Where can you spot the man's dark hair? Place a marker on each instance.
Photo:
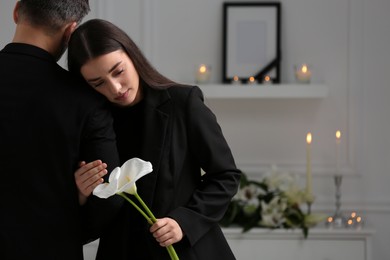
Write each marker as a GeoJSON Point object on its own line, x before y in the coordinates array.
{"type": "Point", "coordinates": [53, 14]}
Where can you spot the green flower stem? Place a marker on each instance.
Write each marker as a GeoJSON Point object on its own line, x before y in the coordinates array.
{"type": "Point", "coordinates": [171, 250]}
{"type": "Point", "coordinates": [136, 206]}
{"type": "Point", "coordinates": [172, 253]}
{"type": "Point", "coordinates": [148, 211]}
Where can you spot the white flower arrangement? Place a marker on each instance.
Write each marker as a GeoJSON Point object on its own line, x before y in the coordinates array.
{"type": "Point", "coordinates": [274, 202]}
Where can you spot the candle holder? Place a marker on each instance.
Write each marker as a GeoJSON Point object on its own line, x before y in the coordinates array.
{"type": "Point", "coordinates": [338, 220]}
{"type": "Point", "coordinates": [267, 80]}
{"type": "Point", "coordinates": [355, 221]}
{"type": "Point", "coordinates": [236, 80]}
{"type": "Point", "coordinates": [252, 81]}
{"type": "Point", "coordinates": [309, 198]}
{"type": "Point", "coordinates": [302, 73]}
{"type": "Point", "coordinates": [203, 74]}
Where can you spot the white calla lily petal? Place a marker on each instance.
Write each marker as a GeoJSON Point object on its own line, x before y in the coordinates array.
{"type": "Point", "coordinates": [131, 171]}
{"type": "Point", "coordinates": [106, 190]}
{"type": "Point", "coordinates": [114, 176]}
{"type": "Point", "coordinates": [123, 179]}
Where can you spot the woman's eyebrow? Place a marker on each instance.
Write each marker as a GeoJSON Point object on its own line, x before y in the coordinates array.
{"type": "Point", "coordinates": [111, 70]}
{"type": "Point", "coordinates": [115, 66]}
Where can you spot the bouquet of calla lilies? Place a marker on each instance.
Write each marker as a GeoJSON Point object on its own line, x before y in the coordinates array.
{"type": "Point", "coordinates": [122, 182]}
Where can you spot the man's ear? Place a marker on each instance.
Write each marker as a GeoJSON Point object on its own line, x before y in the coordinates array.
{"type": "Point", "coordinates": [16, 12]}
{"type": "Point", "coordinates": [69, 30]}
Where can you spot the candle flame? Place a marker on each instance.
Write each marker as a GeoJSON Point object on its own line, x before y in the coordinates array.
{"type": "Point", "coordinates": [202, 69]}
{"type": "Point", "coordinates": [304, 68]}
{"type": "Point", "coordinates": [267, 78]}
{"type": "Point", "coordinates": [338, 134]}
{"type": "Point", "coordinates": [308, 138]}
{"type": "Point", "coordinates": [353, 214]}
{"type": "Point", "coordinates": [358, 219]}
{"type": "Point", "coordinates": [252, 79]}
{"type": "Point", "coordinates": [235, 78]}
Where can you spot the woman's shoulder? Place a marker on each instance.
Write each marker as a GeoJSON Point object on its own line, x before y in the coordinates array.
{"type": "Point", "coordinates": [179, 95]}
{"type": "Point", "coordinates": [184, 91]}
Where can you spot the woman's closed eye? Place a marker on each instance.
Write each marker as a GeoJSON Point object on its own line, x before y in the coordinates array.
{"type": "Point", "coordinates": [97, 84]}
{"type": "Point", "coordinates": [118, 72]}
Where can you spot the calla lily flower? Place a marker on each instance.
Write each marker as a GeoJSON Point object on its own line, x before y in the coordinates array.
{"type": "Point", "coordinates": [122, 179]}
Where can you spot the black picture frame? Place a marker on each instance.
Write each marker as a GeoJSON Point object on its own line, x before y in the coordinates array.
{"type": "Point", "coordinates": [251, 41]}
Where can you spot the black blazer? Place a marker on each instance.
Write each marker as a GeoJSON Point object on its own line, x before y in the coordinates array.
{"type": "Point", "coordinates": [48, 122]}
{"type": "Point", "coordinates": [181, 136]}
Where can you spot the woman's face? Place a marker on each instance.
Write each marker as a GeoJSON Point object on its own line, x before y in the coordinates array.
{"type": "Point", "coordinates": [114, 76]}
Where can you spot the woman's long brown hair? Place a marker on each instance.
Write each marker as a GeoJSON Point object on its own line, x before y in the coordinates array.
{"type": "Point", "coordinates": [97, 37]}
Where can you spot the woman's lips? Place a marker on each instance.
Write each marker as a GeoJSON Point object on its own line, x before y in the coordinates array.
{"type": "Point", "coordinates": [123, 96]}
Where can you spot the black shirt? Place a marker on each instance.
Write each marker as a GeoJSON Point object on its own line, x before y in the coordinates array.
{"type": "Point", "coordinates": [128, 122]}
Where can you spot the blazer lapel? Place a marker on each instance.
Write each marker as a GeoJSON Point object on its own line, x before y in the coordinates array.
{"type": "Point", "coordinates": [156, 118]}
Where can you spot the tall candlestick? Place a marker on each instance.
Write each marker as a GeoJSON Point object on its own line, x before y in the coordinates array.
{"type": "Point", "coordinates": [308, 165]}
{"type": "Point", "coordinates": [338, 136]}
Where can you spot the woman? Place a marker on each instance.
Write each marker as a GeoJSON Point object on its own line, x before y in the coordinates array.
{"type": "Point", "coordinates": [167, 124]}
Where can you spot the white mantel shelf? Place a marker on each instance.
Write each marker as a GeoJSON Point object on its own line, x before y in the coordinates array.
{"type": "Point", "coordinates": [314, 233]}
{"type": "Point", "coordinates": [321, 244]}
{"type": "Point", "coordinates": [262, 243]}
{"type": "Point", "coordinates": [257, 91]}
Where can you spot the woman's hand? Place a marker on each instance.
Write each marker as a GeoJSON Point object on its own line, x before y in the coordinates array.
{"type": "Point", "coordinates": [87, 177]}
{"type": "Point", "coordinates": [166, 231]}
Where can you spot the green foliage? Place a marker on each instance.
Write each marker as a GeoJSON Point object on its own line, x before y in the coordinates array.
{"type": "Point", "coordinates": [271, 203]}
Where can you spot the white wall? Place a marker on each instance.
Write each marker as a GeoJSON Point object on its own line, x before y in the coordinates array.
{"type": "Point", "coordinates": [346, 42]}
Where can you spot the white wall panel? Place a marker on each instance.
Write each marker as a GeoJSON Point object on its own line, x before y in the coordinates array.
{"type": "Point", "coordinates": [346, 41]}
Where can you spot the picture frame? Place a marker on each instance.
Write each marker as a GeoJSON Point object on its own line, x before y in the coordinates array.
{"type": "Point", "coordinates": [251, 41]}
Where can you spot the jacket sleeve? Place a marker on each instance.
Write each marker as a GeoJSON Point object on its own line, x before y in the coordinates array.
{"type": "Point", "coordinates": [220, 181]}
{"type": "Point", "coordinates": [99, 142]}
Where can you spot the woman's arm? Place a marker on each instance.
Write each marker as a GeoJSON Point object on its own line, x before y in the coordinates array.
{"type": "Point", "coordinates": [87, 177]}
{"type": "Point", "coordinates": [210, 150]}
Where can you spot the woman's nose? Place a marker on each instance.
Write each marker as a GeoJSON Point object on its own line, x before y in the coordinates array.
{"type": "Point", "coordinates": [114, 87]}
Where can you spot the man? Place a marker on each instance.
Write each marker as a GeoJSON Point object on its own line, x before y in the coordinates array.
{"type": "Point", "coordinates": [48, 123]}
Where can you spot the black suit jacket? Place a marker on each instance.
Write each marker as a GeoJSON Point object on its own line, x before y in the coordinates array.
{"type": "Point", "coordinates": [181, 136]}
{"type": "Point", "coordinates": [48, 122]}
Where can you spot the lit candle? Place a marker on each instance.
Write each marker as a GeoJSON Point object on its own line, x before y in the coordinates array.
{"type": "Point", "coordinates": [303, 73]}
{"type": "Point", "coordinates": [350, 223]}
{"type": "Point", "coordinates": [236, 80]}
{"type": "Point", "coordinates": [359, 222]}
{"type": "Point", "coordinates": [203, 74]}
{"type": "Point", "coordinates": [355, 221]}
{"type": "Point", "coordinates": [338, 136]}
{"type": "Point", "coordinates": [267, 80]}
{"type": "Point", "coordinates": [308, 164]}
{"type": "Point", "coordinates": [252, 80]}
{"type": "Point", "coordinates": [329, 222]}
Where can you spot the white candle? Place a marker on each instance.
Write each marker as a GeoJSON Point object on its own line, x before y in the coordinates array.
{"type": "Point", "coordinates": [308, 164]}
{"type": "Point", "coordinates": [359, 222]}
{"type": "Point", "coordinates": [203, 74]}
{"type": "Point", "coordinates": [303, 73]}
{"type": "Point", "coordinates": [338, 136]}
